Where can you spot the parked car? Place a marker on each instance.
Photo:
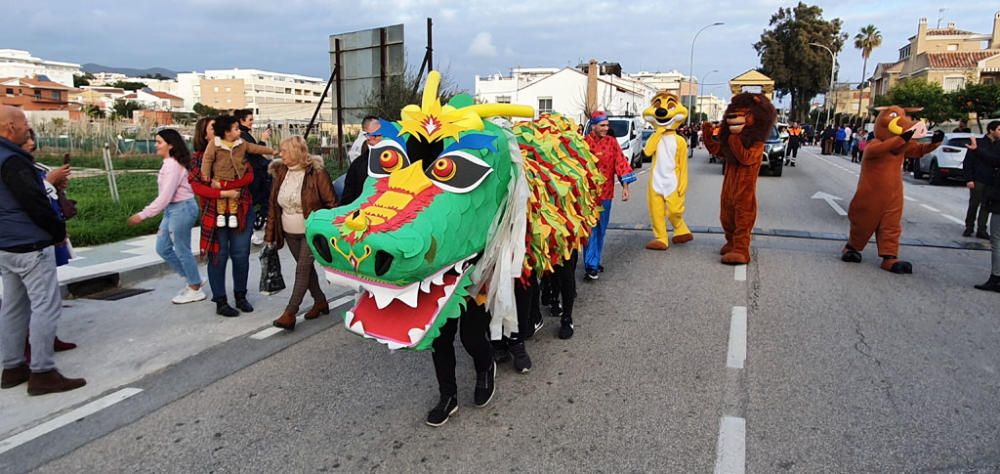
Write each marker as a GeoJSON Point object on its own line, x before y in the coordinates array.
{"type": "Point", "coordinates": [945, 162]}
{"type": "Point", "coordinates": [627, 131]}
{"type": "Point", "coordinates": [774, 154]}
{"type": "Point", "coordinates": [646, 133]}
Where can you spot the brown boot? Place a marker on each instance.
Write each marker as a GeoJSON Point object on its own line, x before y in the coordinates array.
{"type": "Point", "coordinates": [61, 345]}
{"type": "Point", "coordinates": [285, 321]}
{"type": "Point", "coordinates": [14, 377]}
{"type": "Point", "coordinates": [321, 307]}
{"type": "Point", "coordinates": [42, 383]}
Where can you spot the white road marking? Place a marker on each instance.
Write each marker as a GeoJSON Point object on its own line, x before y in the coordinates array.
{"type": "Point", "coordinates": [67, 418]}
{"type": "Point", "coordinates": [908, 198]}
{"type": "Point", "coordinates": [731, 450]}
{"type": "Point", "coordinates": [831, 200]}
{"type": "Point", "coordinates": [953, 219]}
{"type": "Point", "coordinates": [740, 272]}
{"type": "Point", "coordinates": [737, 354]}
{"type": "Point", "coordinates": [266, 333]}
{"type": "Point", "coordinates": [929, 208]}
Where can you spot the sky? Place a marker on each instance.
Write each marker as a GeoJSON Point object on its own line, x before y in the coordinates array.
{"type": "Point", "coordinates": [470, 37]}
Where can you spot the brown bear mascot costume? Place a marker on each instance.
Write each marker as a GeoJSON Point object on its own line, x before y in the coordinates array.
{"type": "Point", "coordinates": [748, 121]}
{"type": "Point", "coordinates": [877, 207]}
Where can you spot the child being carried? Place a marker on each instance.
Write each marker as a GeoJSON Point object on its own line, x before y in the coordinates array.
{"type": "Point", "coordinates": [225, 160]}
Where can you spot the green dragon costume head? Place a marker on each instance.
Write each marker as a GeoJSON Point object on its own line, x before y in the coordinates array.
{"type": "Point", "coordinates": [447, 193]}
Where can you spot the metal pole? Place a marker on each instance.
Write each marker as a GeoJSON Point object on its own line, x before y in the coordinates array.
{"type": "Point", "coordinates": [691, 64]}
{"type": "Point", "coordinates": [322, 98]}
{"type": "Point", "coordinates": [833, 68]}
{"type": "Point", "coordinates": [699, 90]}
{"type": "Point", "coordinates": [110, 169]}
{"type": "Point", "coordinates": [383, 61]}
{"type": "Point", "coordinates": [430, 46]}
{"type": "Point", "coordinates": [340, 102]}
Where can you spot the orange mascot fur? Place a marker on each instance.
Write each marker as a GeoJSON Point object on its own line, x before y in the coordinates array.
{"type": "Point", "coordinates": [877, 207]}
{"type": "Point", "coordinates": [748, 122]}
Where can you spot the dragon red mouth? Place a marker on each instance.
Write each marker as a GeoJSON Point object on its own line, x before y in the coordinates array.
{"type": "Point", "coordinates": [399, 317]}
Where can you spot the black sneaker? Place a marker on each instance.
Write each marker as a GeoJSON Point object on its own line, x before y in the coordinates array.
{"type": "Point", "coordinates": [522, 363]}
{"type": "Point", "coordinates": [501, 354]}
{"type": "Point", "coordinates": [566, 330]}
{"type": "Point", "coordinates": [600, 269]}
{"type": "Point", "coordinates": [590, 274]}
{"type": "Point", "coordinates": [446, 407]}
{"type": "Point", "coordinates": [485, 386]}
{"type": "Point", "coordinates": [982, 235]}
{"type": "Point", "coordinates": [967, 233]}
{"type": "Point", "coordinates": [223, 309]}
{"type": "Point", "coordinates": [244, 305]}
{"type": "Point", "coordinates": [555, 310]}
{"type": "Point", "coordinates": [539, 324]}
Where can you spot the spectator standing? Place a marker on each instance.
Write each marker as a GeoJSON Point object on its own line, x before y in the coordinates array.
{"type": "Point", "coordinates": [301, 186]}
{"type": "Point", "coordinates": [963, 127]}
{"type": "Point", "coordinates": [989, 154]}
{"type": "Point", "coordinates": [978, 173]}
{"type": "Point", "coordinates": [220, 245]}
{"type": "Point", "coordinates": [357, 173]}
{"type": "Point", "coordinates": [260, 190]}
{"type": "Point", "coordinates": [32, 298]}
{"type": "Point", "coordinates": [176, 200]}
{"type": "Point", "coordinates": [841, 140]}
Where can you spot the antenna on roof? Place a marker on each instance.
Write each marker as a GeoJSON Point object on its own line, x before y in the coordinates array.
{"type": "Point", "coordinates": [940, 15]}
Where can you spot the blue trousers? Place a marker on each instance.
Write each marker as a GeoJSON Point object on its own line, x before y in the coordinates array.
{"type": "Point", "coordinates": [173, 241]}
{"type": "Point", "coordinates": [595, 245]}
{"type": "Point", "coordinates": [233, 245]}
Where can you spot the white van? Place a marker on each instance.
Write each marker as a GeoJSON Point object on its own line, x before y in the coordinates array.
{"type": "Point", "coordinates": [628, 131]}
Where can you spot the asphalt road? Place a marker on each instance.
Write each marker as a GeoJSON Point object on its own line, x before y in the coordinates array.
{"type": "Point", "coordinates": [847, 368]}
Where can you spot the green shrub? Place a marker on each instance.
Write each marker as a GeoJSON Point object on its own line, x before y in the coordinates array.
{"type": "Point", "coordinates": [99, 219]}
{"type": "Point", "coordinates": [139, 162]}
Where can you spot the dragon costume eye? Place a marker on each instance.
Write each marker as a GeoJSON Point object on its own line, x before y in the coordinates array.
{"type": "Point", "coordinates": [458, 172]}
{"type": "Point", "coordinates": [386, 158]}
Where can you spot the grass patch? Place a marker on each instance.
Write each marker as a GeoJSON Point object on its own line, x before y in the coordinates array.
{"type": "Point", "coordinates": [137, 162]}
{"type": "Point", "coordinates": [99, 219]}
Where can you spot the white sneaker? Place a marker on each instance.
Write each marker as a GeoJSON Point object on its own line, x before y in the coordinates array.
{"type": "Point", "coordinates": [189, 296]}
{"type": "Point", "coordinates": [257, 238]}
{"type": "Point", "coordinates": [233, 222]}
{"type": "Point", "coordinates": [220, 221]}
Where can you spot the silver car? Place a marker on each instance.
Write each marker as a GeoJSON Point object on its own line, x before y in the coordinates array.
{"type": "Point", "coordinates": [945, 162]}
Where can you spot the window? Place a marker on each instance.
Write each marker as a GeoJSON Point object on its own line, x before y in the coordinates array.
{"type": "Point", "coordinates": [56, 95]}
{"type": "Point", "coordinates": [38, 94]}
{"type": "Point", "coordinates": [503, 99]}
{"type": "Point", "coordinates": [953, 47]}
{"type": "Point", "coordinates": [953, 83]}
{"type": "Point", "coordinates": [229, 89]}
{"type": "Point", "coordinates": [545, 105]}
{"type": "Point", "coordinates": [215, 89]}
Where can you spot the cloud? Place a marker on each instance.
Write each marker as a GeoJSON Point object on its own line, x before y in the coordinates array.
{"type": "Point", "coordinates": [482, 46]}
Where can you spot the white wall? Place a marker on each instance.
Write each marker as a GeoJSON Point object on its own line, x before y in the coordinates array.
{"type": "Point", "coordinates": [17, 63]}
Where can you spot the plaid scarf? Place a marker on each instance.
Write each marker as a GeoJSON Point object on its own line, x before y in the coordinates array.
{"type": "Point", "coordinates": [209, 244]}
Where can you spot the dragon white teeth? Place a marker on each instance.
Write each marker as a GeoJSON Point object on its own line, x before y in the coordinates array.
{"type": "Point", "coordinates": [348, 317]}
{"type": "Point", "coordinates": [425, 286]}
{"type": "Point", "coordinates": [383, 297]}
{"type": "Point", "coordinates": [410, 295]}
{"type": "Point", "coordinates": [394, 345]}
{"type": "Point", "coordinates": [416, 334]}
{"type": "Point", "coordinates": [357, 328]}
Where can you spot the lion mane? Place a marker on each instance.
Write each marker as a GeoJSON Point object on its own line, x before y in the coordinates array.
{"type": "Point", "coordinates": [763, 114]}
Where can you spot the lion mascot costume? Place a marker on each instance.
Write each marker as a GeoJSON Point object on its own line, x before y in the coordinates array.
{"type": "Point", "coordinates": [877, 207]}
{"type": "Point", "coordinates": [748, 121]}
{"type": "Point", "coordinates": [668, 184]}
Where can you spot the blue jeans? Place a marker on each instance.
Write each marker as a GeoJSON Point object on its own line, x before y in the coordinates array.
{"type": "Point", "coordinates": [233, 244]}
{"type": "Point", "coordinates": [173, 241]}
{"type": "Point", "coordinates": [595, 245]}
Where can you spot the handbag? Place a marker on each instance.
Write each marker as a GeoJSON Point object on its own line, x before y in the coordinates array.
{"type": "Point", "coordinates": [271, 280]}
{"type": "Point", "coordinates": [66, 205]}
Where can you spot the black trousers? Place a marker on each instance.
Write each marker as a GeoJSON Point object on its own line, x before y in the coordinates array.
{"type": "Point", "coordinates": [474, 327]}
{"type": "Point", "coordinates": [793, 151]}
{"type": "Point", "coordinates": [978, 213]}
{"type": "Point", "coordinates": [529, 312]}
{"type": "Point", "coordinates": [260, 188]}
{"type": "Point", "coordinates": [562, 284]}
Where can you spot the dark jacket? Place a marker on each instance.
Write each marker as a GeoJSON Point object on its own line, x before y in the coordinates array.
{"type": "Point", "coordinates": [976, 166]}
{"type": "Point", "coordinates": [317, 193]}
{"type": "Point", "coordinates": [357, 173]}
{"type": "Point", "coordinates": [255, 160]}
{"type": "Point", "coordinates": [988, 158]}
{"type": "Point", "coordinates": [27, 218]}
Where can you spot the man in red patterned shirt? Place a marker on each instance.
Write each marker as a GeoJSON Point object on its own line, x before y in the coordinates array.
{"type": "Point", "coordinates": [611, 162]}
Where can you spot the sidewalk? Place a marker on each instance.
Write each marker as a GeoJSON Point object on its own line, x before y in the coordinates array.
{"type": "Point", "coordinates": [122, 341]}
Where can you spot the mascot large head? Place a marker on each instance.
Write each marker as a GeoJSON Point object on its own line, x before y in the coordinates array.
{"type": "Point", "coordinates": [665, 112]}
{"type": "Point", "coordinates": [750, 116]}
{"type": "Point", "coordinates": [893, 121]}
{"type": "Point", "coordinates": [412, 239]}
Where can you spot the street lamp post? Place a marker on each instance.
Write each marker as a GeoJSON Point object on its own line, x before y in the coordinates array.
{"type": "Point", "coordinates": [691, 64]}
{"type": "Point", "coordinates": [704, 79]}
{"type": "Point", "coordinates": [833, 67]}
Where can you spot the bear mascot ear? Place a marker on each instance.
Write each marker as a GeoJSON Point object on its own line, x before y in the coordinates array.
{"type": "Point", "coordinates": [913, 109]}
{"type": "Point", "coordinates": [756, 99]}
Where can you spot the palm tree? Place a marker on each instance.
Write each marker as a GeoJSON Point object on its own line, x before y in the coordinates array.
{"type": "Point", "coordinates": [867, 40]}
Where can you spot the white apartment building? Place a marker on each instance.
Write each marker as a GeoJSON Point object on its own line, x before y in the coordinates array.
{"type": "Point", "coordinates": [712, 106]}
{"type": "Point", "coordinates": [563, 90]}
{"type": "Point", "coordinates": [107, 78]}
{"type": "Point", "coordinates": [272, 95]}
{"type": "Point", "coordinates": [18, 63]}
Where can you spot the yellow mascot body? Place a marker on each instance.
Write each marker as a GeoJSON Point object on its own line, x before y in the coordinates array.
{"type": "Point", "coordinates": [669, 178]}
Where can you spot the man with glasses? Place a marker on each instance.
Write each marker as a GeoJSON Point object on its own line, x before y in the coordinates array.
{"type": "Point", "coordinates": [354, 182]}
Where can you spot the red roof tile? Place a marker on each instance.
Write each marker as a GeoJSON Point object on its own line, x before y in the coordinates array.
{"type": "Point", "coordinates": [164, 95]}
{"type": "Point", "coordinates": [947, 32]}
{"type": "Point", "coordinates": [959, 59]}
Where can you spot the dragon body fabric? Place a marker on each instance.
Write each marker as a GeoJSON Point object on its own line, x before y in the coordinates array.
{"type": "Point", "coordinates": [456, 207]}
{"type": "Point", "coordinates": [669, 179]}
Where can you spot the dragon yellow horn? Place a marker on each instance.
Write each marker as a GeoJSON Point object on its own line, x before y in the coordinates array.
{"type": "Point", "coordinates": [431, 90]}
{"type": "Point", "coordinates": [503, 110]}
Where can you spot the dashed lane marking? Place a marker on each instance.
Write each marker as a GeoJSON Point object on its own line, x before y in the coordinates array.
{"type": "Point", "coordinates": [67, 418]}
{"type": "Point", "coordinates": [737, 354]}
{"type": "Point", "coordinates": [953, 219]}
{"type": "Point", "coordinates": [731, 450]}
{"type": "Point", "coordinates": [908, 198]}
{"type": "Point", "coordinates": [740, 272]}
{"type": "Point", "coordinates": [929, 208]}
{"type": "Point", "coordinates": [266, 333]}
